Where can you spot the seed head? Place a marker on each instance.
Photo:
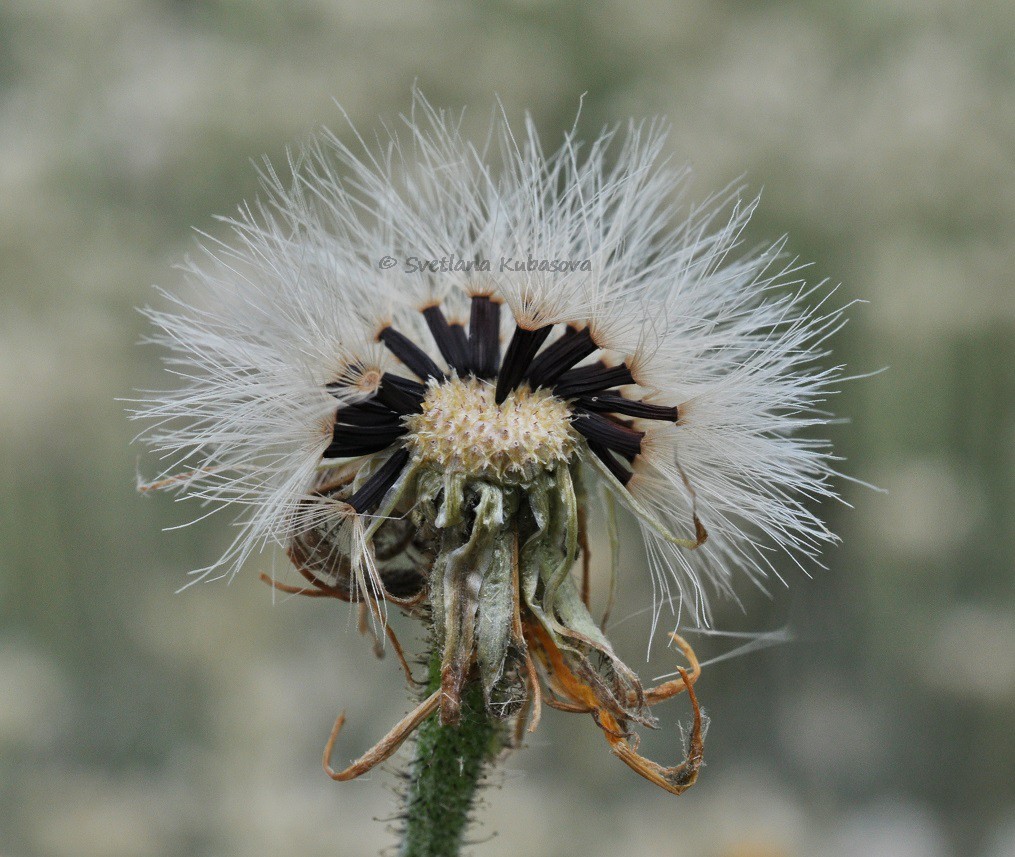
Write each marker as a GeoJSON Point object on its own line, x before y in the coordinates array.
{"type": "Point", "coordinates": [442, 432]}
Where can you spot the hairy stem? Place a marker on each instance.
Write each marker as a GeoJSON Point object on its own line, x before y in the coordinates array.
{"type": "Point", "coordinates": [445, 772]}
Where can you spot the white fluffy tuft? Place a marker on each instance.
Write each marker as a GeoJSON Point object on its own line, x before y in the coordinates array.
{"type": "Point", "coordinates": [295, 297]}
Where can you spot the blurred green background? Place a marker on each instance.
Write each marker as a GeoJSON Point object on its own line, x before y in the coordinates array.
{"type": "Point", "coordinates": [135, 721]}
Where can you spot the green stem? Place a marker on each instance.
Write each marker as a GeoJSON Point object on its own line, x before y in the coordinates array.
{"type": "Point", "coordinates": [445, 772]}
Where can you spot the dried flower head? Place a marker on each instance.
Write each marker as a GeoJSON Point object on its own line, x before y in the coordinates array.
{"type": "Point", "coordinates": [421, 374]}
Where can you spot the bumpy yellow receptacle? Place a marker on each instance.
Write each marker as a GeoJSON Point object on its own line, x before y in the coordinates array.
{"type": "Point", "coordinates": [462, 428]}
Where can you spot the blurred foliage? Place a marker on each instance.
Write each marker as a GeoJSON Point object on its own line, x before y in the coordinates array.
{"type": "Point", "coordinates": [134, 721]}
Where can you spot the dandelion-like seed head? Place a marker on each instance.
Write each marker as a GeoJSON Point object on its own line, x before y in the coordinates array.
{"type": "Point", "coordinates": [556, 340]}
